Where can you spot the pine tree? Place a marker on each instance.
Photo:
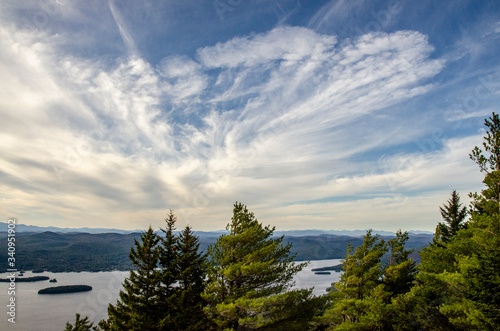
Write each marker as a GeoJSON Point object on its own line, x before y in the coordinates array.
{"type": "Point", "coordinates": [460, 280]}
{"type": "Point", "coordinates": [137, 308]}
{"type": "Point", "coordinates": [81, 325]}
{"type": "Point", "coordinates": [250, 273]}
{"type": "Point", "coordinates": [454, 216]}
{"type": "Point", "coordinates": [369, 295]}
{"type": "Point", "coordinates": [400, 272]}
{"type": "Point", "coordinates": [169, 274]}
{"type": "Point", "coordinates": [361, 278]}
{"type": "Point", "coordinates": [164, 292]}
{"type": "Point", "coordinates": [422, 307]}
{"type": "Point", "coordinates": [192, 267]}
{"type": "Point", "coordinates": [437, 257]}
{"type": "Point", "coordinates": [478, 247]}
{"type": "Point", "coordinates": [489, 163]}
{"type": "Point", "coordinates": [362, 269]}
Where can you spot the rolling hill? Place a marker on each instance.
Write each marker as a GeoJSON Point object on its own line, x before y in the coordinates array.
{"type": "Point", "coordinates": [66, 252]}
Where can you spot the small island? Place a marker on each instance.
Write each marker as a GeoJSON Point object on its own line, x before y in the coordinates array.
{"type": "Point", "coordinates": [322, 273]}
{"type": "Point", "coordinates": [65, 289]}
{"type": "Point", "coordinates": [336, 268]}
{"type": "Point", "coordinates": [27, 279]}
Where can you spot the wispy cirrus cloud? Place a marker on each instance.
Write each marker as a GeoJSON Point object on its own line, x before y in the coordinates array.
{"type": "Point", "coordinates": [334, 10]}
{"type": "Point", "coordinates": [281, 43]}
{"type": "Point", "coordinates": [124, 33]}
{"type": "Point", "coordinates": [274, 119]}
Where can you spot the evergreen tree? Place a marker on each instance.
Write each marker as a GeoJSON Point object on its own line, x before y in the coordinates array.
{"type": "Point", "coordinates": [183, 271]}
{"type": "Point", "coordinates": [454, 216]}
{"type": "Point", "coordinates": [250, 273]}
{"type": "Point", "coordinates": [489, 159]}
{"type": "Point", "coordinates": [80, 325]}
{"type": "Point", "coordinates": [137, 308]}
{"type": "Point", "coordinates": [459, 281]}
{"type": "Point", "coordinates": [437, 257]}
{"type": "Point", "coordinates": [362, 274]}
{"type": "Point", "coordinates": [164, 292]}
{"type": "Point", "coordinates": [489, 163]}
{"type": "Point", "coordinates": [192, 267]}
{"type": "Point", "coordinates": [368, 294]}
{"type": "Point", "coordinates": [399, 274]}
{"type": "Point", "coordinates": [168, 262]}
{"type": "Point", "coordinates": [478, 247]}
{"type": "Point", "coordinates": [422, 306]}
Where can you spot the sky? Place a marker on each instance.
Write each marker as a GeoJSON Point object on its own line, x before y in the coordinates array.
{"type": "Point", "coordinates": [334, 115]}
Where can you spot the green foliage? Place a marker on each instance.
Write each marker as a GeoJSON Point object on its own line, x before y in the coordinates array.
{"type": "Point", "coordinates": [137, 308]}
{"type": "Point", "coordinates": [419, 309]}
{"type": "Point", "coordinates": [489, 159]}
{"type": "Point", "coordinates": [291, 310]}
{"type": "Point", "coordinates": [478, 247]}
{"type": "Point", "coordinates": [477, 276]}
{"type": "Point", "coordinates": [164, 291]}
{"type": "Point", "coordinates": [454, 216]}
{"type": "Point", "coordinates": [192, 267]}
{"type": "Point", "coordinates": [168, 277]}
{"type": "Point", "coordinates": [437, 257]}
{"type": "Point", "coordinates": [361, 278]}
{"type": "Point", "coordinates": [489, 162]}
{"type": "Point", "coordinates": [460, 271]}
{"type": "Point", "coordinates": [368, 295]}
{"type": "Point", "coordinates": [362, 269]}
{"type": "Point", "coordinates": [399, 274]}
{"type": "Point", "coordinates": [80, 325]}
{"type": "Point", "coordinates": [249, 276]}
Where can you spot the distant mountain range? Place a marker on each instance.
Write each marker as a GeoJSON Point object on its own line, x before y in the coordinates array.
{"type": "Point", "coordinates": [350, 233]}
{"type": "Point", "coordinates": [37, 229]}
{"type": "Point", "coordinates": [84, 249]}
{"type": "Point", "coordinates": [66, 252]}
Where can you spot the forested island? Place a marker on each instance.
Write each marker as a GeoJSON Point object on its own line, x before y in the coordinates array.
{"type": "Point", "coordinates": [25, 279]}
{"type": "Point", "coordinates": [65, 289]}
{"type": "Point", "coordinates": [336, 268]}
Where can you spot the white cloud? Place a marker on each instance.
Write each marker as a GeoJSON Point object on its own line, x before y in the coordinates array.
{"type": "Point", "coordinates": [271, 120]}
{"type": "Point", "coordinates": [287, 44]}
{"type": "Point", "coordinates": [183, 79]}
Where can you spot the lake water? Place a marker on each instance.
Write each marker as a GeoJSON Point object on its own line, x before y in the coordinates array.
{"type": "Point", "coordinates": [51, 312]}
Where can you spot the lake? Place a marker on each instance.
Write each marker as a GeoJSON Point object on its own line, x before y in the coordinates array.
{"type": "Point", "coordinates": [51, 312]}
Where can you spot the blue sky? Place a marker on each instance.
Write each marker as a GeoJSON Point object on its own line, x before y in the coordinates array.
{"type": "Point", "coordinates": [315, 114]}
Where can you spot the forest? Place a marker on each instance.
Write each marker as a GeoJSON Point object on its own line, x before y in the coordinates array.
{"type": "Point", "coordinates": [243, 280]}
